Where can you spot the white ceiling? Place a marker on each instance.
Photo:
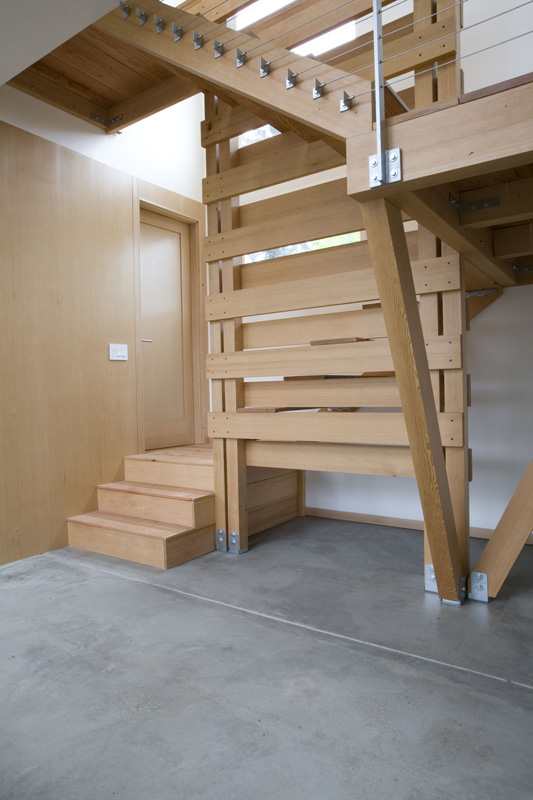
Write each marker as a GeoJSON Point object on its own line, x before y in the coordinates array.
{"type": "Point", "coordinates": [32, 28]}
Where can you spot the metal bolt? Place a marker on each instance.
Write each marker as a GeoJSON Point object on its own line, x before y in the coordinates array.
{"type": "Point", "coordinates": [394, 173]}
{"type": "Point", "coordinates": [375, 178]}
{"type": "Point", "coordinates": [374, 162]}
{"type": "Point", "coordinates": [393, 157]}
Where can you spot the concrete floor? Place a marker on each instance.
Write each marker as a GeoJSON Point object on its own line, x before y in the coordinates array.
{"type": "Point", "coordinates": [313, 667]}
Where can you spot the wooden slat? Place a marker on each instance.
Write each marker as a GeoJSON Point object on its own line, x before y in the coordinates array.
{"type": "Point", "coordinates": [354, 459]}
{"type": "Point", "coordinates": [303, 159]}
{"type": "Point", "coordinates": [397, 293]}
{"type": "Point", "coordinates": [314, 263]}
{"type": "Point", "coordinates": [451, 144]}
{"type": "Point", "coordinates": [334, 392]}
{"type": "Point", "coordinates": [417, 49]}
{"type": "Point", "coordinates": [350, 428]}
{"type": "Point", "coordinates": [516, 204]}
{"type": "Point", "coordinates": [218, 128]}
{"type": "Point", "coordinates": [442, 352]}
{"type": "Point", "coordinates": [349, 287]}
{"type": "Point", "coordinates": [510, 536]}
{"type": "Point", "coordinates": [432, 209]}
{"type": "Point", "coordinates": [366, 324]}
{"type": "Point", "coordinates": [271, 490]}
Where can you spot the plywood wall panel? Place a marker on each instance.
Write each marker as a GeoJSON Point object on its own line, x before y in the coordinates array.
{"type": "Point", "coordinates": [67, 414]}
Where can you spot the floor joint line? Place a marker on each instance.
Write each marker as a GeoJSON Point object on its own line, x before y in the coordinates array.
{"type": "Point", "coordinates": [304, 626]}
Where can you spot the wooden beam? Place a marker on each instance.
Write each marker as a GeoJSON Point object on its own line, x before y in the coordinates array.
{"type": "Point", "coordinates": [397, 293]}
{"type": "Point", "coordinates": [432, 209]}
{"type": "Point", "coordinates": [442, 352]}
{"type": "Point", "coordinates": [382, 428]}
{"type": "Point", "coordinates": [514, 241]}
{"type": "Point", "coordinates": [450, 144]}
{"type": "Point", "coordinates": [161, 96]}
{"type": "Point", "coordinates": [245, 83]}
{"type": "Point", "coordinates": [515, 204]}
{"type": "Point", "coordinates": [348, 458]}
{"type": "Point", "coordinates": [218, 128]}
{"type": "Point", "coordinates": [332, 393]}
{"type": "Point", "coordinates": [510, 536]}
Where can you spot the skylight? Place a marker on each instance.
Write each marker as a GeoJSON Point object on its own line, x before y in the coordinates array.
{"type": "Point", "coordinates": [327, 41]}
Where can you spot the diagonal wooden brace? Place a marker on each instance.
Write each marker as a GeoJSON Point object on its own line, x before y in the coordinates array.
{"type": "Point", "coordinates": [390, 257]}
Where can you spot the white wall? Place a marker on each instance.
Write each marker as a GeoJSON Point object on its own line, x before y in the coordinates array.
{"type": "Point", "coordinates": [164, 149]}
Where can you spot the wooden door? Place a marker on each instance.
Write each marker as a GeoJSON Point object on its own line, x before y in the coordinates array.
{"type": "Point", "coordinates": [166, 332]}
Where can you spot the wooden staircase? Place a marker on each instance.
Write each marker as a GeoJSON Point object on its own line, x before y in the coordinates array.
{"type": "Point", "coordinates": [163, 513]}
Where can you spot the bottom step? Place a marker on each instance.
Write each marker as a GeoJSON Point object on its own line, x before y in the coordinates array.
{"type": "Point", "coordinates": [146, 542]}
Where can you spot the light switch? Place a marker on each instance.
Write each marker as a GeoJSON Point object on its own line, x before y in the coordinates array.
{"type": "Point", "coordinates": [118, 352]}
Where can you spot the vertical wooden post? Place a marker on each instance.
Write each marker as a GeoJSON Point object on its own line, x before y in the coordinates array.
{"type": "Point", "coordinates": [390, 257]}
{"type": "Point", "coordinates": [236, 484]}
{"type": "Point", "coordinates": [424, 82]}
{"type": "Point", "coordinates": [215, 346]}
{"type": "Point", "coordinates": [449, 74]}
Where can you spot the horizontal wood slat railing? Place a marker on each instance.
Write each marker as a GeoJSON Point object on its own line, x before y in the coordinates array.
{"type": "Point", "coordinates": [328, 393]}
{"type": "Point", "coordinates": [347, 428]}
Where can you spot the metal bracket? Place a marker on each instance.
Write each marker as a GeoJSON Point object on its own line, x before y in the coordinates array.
{"type": "Point", "coordinates": [240, 56]}
{"type": "Point", "coordinates": [430, 584]}
{"type": "Point", "coordinates": [106, 122]}
{"type": "Point", "coordinates": [318, 89]}
{"type": "Point", "coordinates": [385, 168]}
{"type": "Point", "coordinates": [198, 40]}
{"type": "Point", "coordinates": [264, 67]}
{"type": "Point", "coordinates": [124, 7]}
{"type": "Point", "coordinates": [346, 101]}
{"type": "Point", "coordinates": [522, 269]}
{"type": "Point", "coordinates": [477, 205]}
{"type": "Point", "coordinates": [479, 587]}
{"type": "Point", "coordinates": [142, 16]}
{"type": "Point", "coordinates": [159, 23]}
{"type": "Point", "coordinates": [290, 80]}
{"type": "Point", "coordinates": [222, 545]}
{"type": "Point", "coordinates": [234, 544]}
{"type": "Point", "coordinates": [480, 292]}
{"type": "Point", "coordinates": [177, 30]}
{"type": "Point", "coordinates": [218, 48]}
{"type": "Point", "coordinates": [462, 594]}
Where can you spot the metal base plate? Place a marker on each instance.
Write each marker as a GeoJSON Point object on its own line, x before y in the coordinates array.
{"type": "Point", "coordinates": [479, 587]}
{"type": "Point", "coordinates": [234, 544]}
{"type": "Point", "coordinates": [222, 545]}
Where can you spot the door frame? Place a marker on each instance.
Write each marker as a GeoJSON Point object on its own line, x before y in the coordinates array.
{"type": "Point", "coordinates": [192, 213]}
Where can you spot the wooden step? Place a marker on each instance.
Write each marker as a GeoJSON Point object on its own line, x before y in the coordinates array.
{"type": "Point", "coordinates": [187, 467]}
{"type": "Point", "coordinates": [156, 544]}
{"type": "Point", "coordinates": [189, 507]}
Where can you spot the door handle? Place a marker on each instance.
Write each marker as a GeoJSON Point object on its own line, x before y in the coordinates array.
{"type": "Point", "coordinates": [146, 340]}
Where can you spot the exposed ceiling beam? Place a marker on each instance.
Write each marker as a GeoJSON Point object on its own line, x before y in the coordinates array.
{"type": "Point", "coordinates": [157, 98]}
{"type": "Point", "coordinates": [514, 241]}
{"type": "Point", "coordinates": [432, 209]}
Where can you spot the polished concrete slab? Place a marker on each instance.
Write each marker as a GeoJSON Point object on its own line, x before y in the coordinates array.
{"type": "Point", "coordinates": [314, 666]}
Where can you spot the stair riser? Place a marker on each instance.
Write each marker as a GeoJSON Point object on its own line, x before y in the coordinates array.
{"type": "Point", "coordinates": [196, 514]}
{"type": "Point", "coordinates": [188, 476]}
{"type": "Point", "coordinates": [141, 549]}
{"type": "Point", "coordinates": [153, 552]}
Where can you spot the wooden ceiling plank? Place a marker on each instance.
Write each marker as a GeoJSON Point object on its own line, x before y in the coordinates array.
{"type": "Point", "coordinates": [515, 204]}
{"type": "Point", "coordinates": [432, 209]}
{"type": "Point", "coordinates": [514, 241]}
{"type": "Point", "coordinates": [34, 82]}
{"type": "Point", "coordinates": [138, 62]}
{"type": "Point", "coordinates": [163, 95]}
{"type": "Point", "coordinates": [451, 144]}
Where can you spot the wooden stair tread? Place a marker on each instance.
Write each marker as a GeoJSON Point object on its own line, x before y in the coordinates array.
{"type": "Point", "coordinates": [157, 490]}
{"type": "Point", "coordinates": [194, 455]}
{"type": "Point", "coordinates": [134, 525]}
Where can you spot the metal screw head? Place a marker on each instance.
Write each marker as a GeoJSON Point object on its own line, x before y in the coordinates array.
{"type": "Point", "coordinates": [393, 157]}
{"type": "Point", "coordinates": [394, 173]}
{"type": "Point", "coordinates": [374, 178]}
{"type": "Point", "coordinates": [374, 163]}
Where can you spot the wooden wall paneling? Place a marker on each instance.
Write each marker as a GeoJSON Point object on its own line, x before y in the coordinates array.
{"type": "Point", "coordinates": [510, 536]}
{"type": "Point", "coordinates": [215, 346]}
{"type": "Point", "coordinates": [455, 400]}
{"type": "Point", "coordinates": [393, 273]}
{"type": "Point", "coordinates": [236, 482]}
